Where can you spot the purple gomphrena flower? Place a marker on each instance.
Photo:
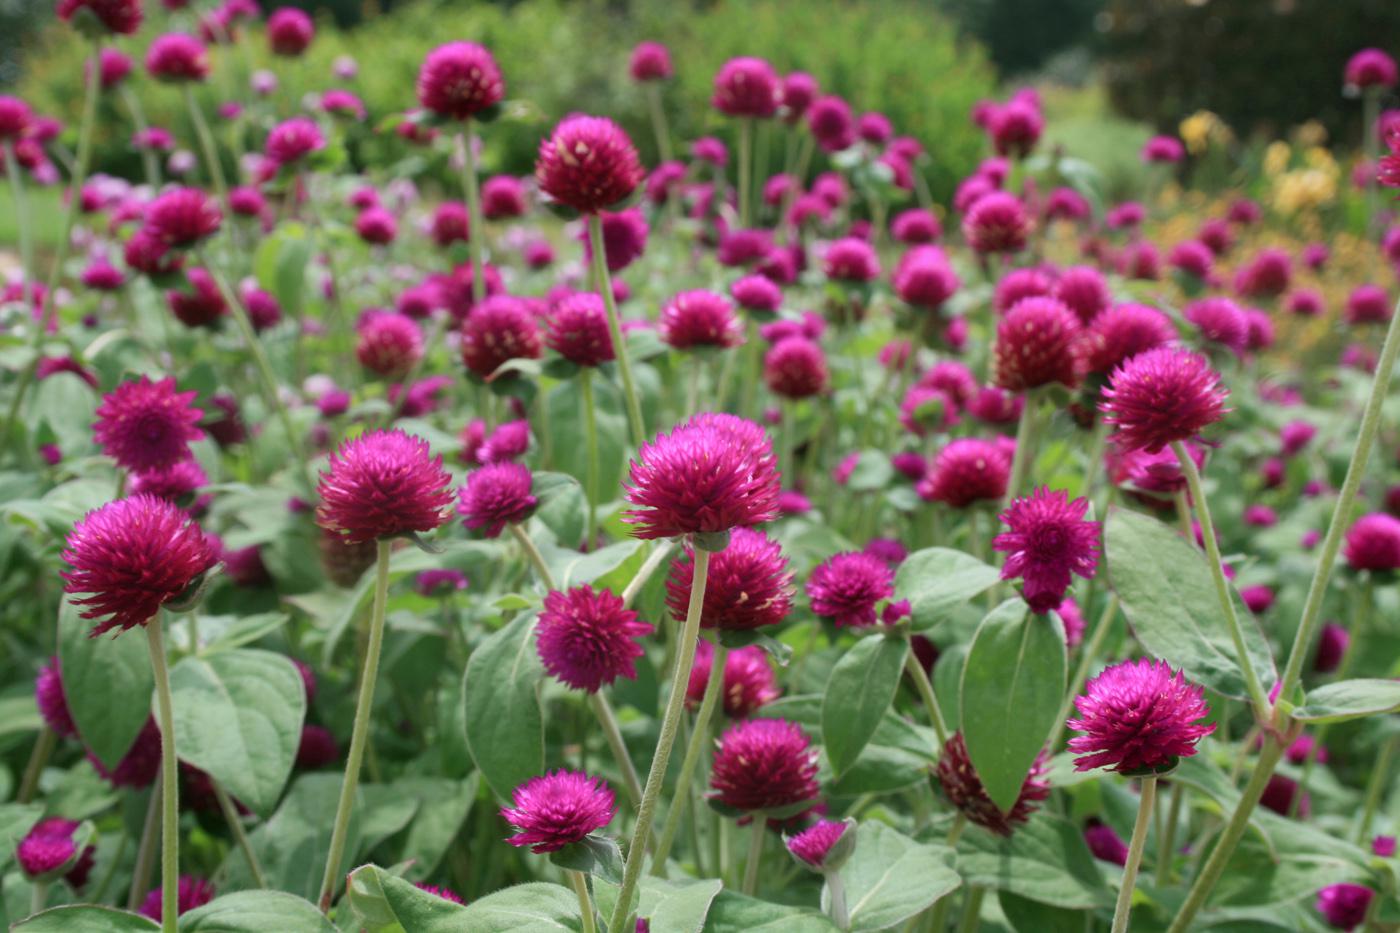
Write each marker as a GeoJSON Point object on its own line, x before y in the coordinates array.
{"type": "Point", "coordinates": [916, 226]}
{"type": "Point", "coordinates": [558, 809]}
{"type": "Point", "coordinates": [697, 319]}
{"type": "Point", "coordinates": [964, 789]}
{"type": "Point", "coordinates": [650, 61]}
{"type": "Point", "coordinates": [510, 441]}
{"type": "Point", "coordinates": [499, 329]}
{"type": "Point", "coordinates": [747, 87]}
{"type": "Point", "coordinates": [446, 894]}
{"type": "Point", "coordinates": [1371, 68]}
{"type": "Point", "coordinates": [497, 495]}
{"type": "Point", "coordinates": [764, 764]}
{"type": "Point", "coordinates": [589, 639]}
{"type": "Point", "coordinates": [795, 368]}
{"type": "Point", "coordinates": [1037, 344]}
{"type": "Point", "coordinates": [851, 260]}
{"type": "Point", "coordinates": [749, 683]}
{"type": "Point", "coordinates": [1084, 291]}
{"type": "Point", "coordinates": [1106, 844]}
{"type": "Point", "coordinates": [317, 748]}
{"type": "Point", "coordinates": [1285, 796]}
{"type": "Point", "coordinates": [1138, 717]}
{"type": "Point", "coordinates": [925, 278]}
{"type": "Point", "coordinates": [176, 483]}
{"type": "Point", "coordinates": [47, 847]}
{"type": "Point", "coordinates": [1373, 543]}
{"type": "Point", "coordinates": [1344, 905]}
{"type": "Point", "coordinates": [1161, 396]}
{"type": "Point", "coordinates": [588, 164]}
{"type": "Point", "coordinates": [459, 80]}
{"type": "Point", "coordinates": [1166, 150]}
{"type": "Point", "coordinates": [997, 223]}
{"type": "Point", "coordinates": [182, 217]}
{"type": "Point", "coordinates": [1368, 304]}
{"type": "Point", "coordinates": [145, 425]}
{"type": "Point", "coordinates": [130, 557]}
{"type": "Point", "coordinates": [1383, 846]}
{"type": "Point", "coordinates": [193, 892]}
{"type": "Point", "coordinates": [578, 330]}
{"type": "Point", "coordinates": [439, 583]}
{"type": "Point", "coordinates": [177, 58]}
{"type": "Point", "coordinates": [502, 196]}
{"type": "Point", "coordinates": [624, 238]}
{"type": "Point", "coordinates": [757, 294]}
{"type": "Point", "coordinates": [711, 474]}
{"type": "Point", "coordinates": [1332, 644]}
{"type": "Point", "coordinates": [293, 140]}
{"type": "Point", "coordinates": [1123, 332]}
{"type": "Point", "coordinates": [1073, 621]}
{"type": "Point", "coordinates": [383, 484]}
{"type": "Point", "coordinates": [748, 585]}
{"type": "Point", "coordinates": [812, 845]}
{"type": "Point", "coordinates": [1016, 128]}
{"type": "Point", "coordinates": [1049, 541]}
{"type": "Point", "coordinates": [450, 224]}
{"type": "Point", "coordinates": [52, 701]}
{"type": "Point", "coordinates": [289, 31]}
{"type": "Point", "coordinates": [376, 226]}
{"type": "Point", "coordinates": [1220, 321]}
{"type": "Point", "coordinates": [389, 344]}
{"type": "Point", "coordinates": [966, 471]}
{"type": "Point", "coordinates": [1019, 284]}
{"type": "Point", "coordinates": [846, 587]}
{"type": "Point", "coordinates": [831, 123]}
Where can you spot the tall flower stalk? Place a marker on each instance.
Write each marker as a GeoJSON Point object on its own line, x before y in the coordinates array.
{"type": "Point", "coordinates": [624, 364]}
{"type": "Point", "coordinates": [169, 782]}
{"type": "Point", "coordinates": [476, 227]}
{"type": "Point", "coordinates": [1146, 799]}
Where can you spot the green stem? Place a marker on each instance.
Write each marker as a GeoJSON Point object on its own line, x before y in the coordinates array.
{"type": "Point", "coordinates": [145, 852]}
{"type": "Point", "coordinates": [590, 430]}
{"type": "Point", "coordinates": [150, 165]}
{"type": "Point", "coordinates": [1165, 853]}
{"type": "Point", "coordinates": [476, 232]}
{"type": "Point", "coordinates": [745, 170]}
{"type": "Point", "coordinates": [757, 831]}
{"type": "Point", "coordinates": [169, 782]}
{"type": "Point", "coordinates": [43, 750]}
{"type": "Point", "coordinates": [532, 554]}
{"type": "Point", "coordinates": [972, 909]}
{"type": "Point", "coordinates": [360, 735]}
{"type": "Point", "coordinates": [658, 121]}
{"type": "Point", "coordinates": [22, 221]}
{"type": "Point", "coordinates": [1370, 107]}
{"type": "Point", "coordinates": [1381, 776]}
{"type": "Point", "coordinates": [1024, 456]}
{"type": "Point", "coordinates": [38, 897]}
{"type": "Point", "coordinates": [675, 707]}
{"type": "Point", "coordinates": [1124, 906]}
{"type": "Point", "coordinates": [930, 699]}
{"type": "Point", "coordinates": [624, 365]}
{"type": "Point", "coordinates": [206, 143]}
{"type": "Point", "coordinates": [240, 836]}
{"type": "Point", "coordinates": [654, 560]}
{"type": "Point", "coordinates": [1258, 697]}
{"type": "Point", "coordinates": [840, 915]}
{"type": "Point", "coordinates": [608, 720]}
{"type": "Point", "coordinates": [1088, 655]}
{"type": "Point", "coordinates": [1183, 514]}
{"type": "Point", "coordinates": [680, 797]}
{"type": "Point", "coordinates": [1336, 529]}
{"type": "Point", "coordinates": [585, 903]}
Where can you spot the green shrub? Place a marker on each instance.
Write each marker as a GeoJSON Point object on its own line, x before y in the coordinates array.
{"type": "Point", "coordinates": [892, 55]}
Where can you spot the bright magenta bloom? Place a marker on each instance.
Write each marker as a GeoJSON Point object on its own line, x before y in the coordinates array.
{"type": "Point", "coordinates": [747, 87]}
{"type": "Point", "coordinates": [749, 683]}
{"type": "Point", "coordinates": [182, 217]}
{"type": "Point", "coordinates": [130, 557]}
{"type": "Point", "coordinates": [795, 367]}
{"type": "Point", "coordinates": [1137, 717]}
{"type": "Point", "coordinates": [557, 809]}
{"type": "Point", "coordinates": [459, 80]}
{"type": "Point", "coordinates": [1122, 332]}
{"type": "Point", "coordinates": [49, 696]}
{"type": "Point", "coordinates": [846, 587]}
{"type": "Point", "coordinates": [1373, 543]}
{"type": "Point", "coordinates": [578, 330]}
{"type": "Point", "coordinates": [764, 764]}
{"type": "Point", "coordinates": [293, 140]}
{"type": "Point", "coordinates": [176, 483]}
{"type": "Point", "coordinates": [831, 123]}
{"type": "Point", "coordinates": [383, 484]}
{"type": "Point", "coordinates": [700, 319]}
{"type": "Point", "coordinates": [1220, 321]}
{"type": "Point", "coordinates": [119, 17]}
{"type": "Point", "coordinates": [194, 892]}
{"type": "Point", "coordinates": [497, 495]}
{"type": "Point", "coordinates": [712, 473]}
{"type": "Point", "coordinates": [1049, 541]}
{"type": "Point", "coordinates": [748, 585]}
{"type": "Point", "coordinates": [501, 328]}
{"type": "Point", "coordinates": [289, 31]}
{"type": "Point", "coordinates": [588, 163]}
{"type": "Point", "coordinates": [1344, 905]}
{"type": "Point", "coordinates": [47, 847]}
{"type": "Point", "coordinates": [1084, 291]}
{"type": "Point", "coordinates": [964, 789]}
{"type": "Point", "coordinates": [1037, 344]}
{"type": "Point", "coordinates": [1161, 396]}
{"type": "Point", "coordinates": [813, 843]}
{"type": "Point", "coordinates": [389, 344]}
{"type": "Point", "coordinates": [968, 470]}
{"type": "Point", "coordinates": [924, 278]}
{"type": "Point", "coordinates": [145, 425]}
{"type": "Point", "coordinates": [588, 639]}
{"type": "Point", "coordinates": [651, 61]}
{"type": "Point", "coordinates": [1370, 68]}
{"type": "Point", "coordinates": [997, 223]}
{"type": "Point", "coordinates": [624, 238]}
{"type": "Point", "coordinates": [176, 57]}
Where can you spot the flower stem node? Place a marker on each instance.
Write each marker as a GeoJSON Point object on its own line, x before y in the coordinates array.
{"type": "Point", "coordinates": [712, 541]}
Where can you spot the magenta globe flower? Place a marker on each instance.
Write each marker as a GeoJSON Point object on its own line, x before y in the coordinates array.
{"type": "Point", "coordinates": [130, 557]}
{"type": "Point", "coordinates": [1038, 344]}
{"type": "Point", "coordinates": [966, 471]}
{"type": "Point", "coordinates": [459, 80]}
{"type": "Point", "coordinates": [965, 792]}
{"type": "Point", "coordinates": [747, 87]}
{"type": "Point", "coordinates": [1049, 541]}
{"type": "Point", "coordinates": [650, 61]}
{"type": "Point", "coordinates": [795, 368]}
{"type": "Point", "coordinates": [814, 844]}
{"type": "Point", "coordinates": [1122, 332]}
{"type": "Point", "coordinates": [1373, 543]}
{"type": "Point", "coordinates": [47, 847]}
{"type": "Point", "coordinates": [1344, 905]}
{"type": "Point", "coordinates": [1138, 717]}
{"type": "Point", "coordinates": [764, 765]}
{"type": "Point", "coordinates": [578, 330]}
{"type": "Point", "coordinates": [176, 58]}
{"type": "Point", "coordinates": [117, 17]}
{"type": "Point", "coordinates": [52, 701]}
{"type": "Point", "coordinates": [1371, 68]}
{"type": "Point", "coordinates": [589, 639]}
{"type": "Point", "coordinates": [1162, 396]}
{"type": "Point", "coordinates": [389, 345]}
{"type": "Point", "coordinates": [588, 164]}
{"type": "Point", "coordinates": [558, 809]}
{"type": "Point", "coordinates": [748, 585]}
{"type": "Point", "coordinates": [145, 425]}
{"type": "Point", "coordinates": [697, 319]}
{"type": "Point", "coordinates": [289, 31]}
{"type": "Point", "coordinates": [293, 140]}
{"type": "Point", "coordinates": [997, 223]}
{"type": "Point", "coordinates": [183, 217]}
{"type": "Point", "coordinates": [499, 329]}
{"type": "Point", "coordinates": [749, 683]}
{"type": "Point", "coordinates": [497, 495]}
{"type": "Point", "coordinates": [846, 587]}
{"type": "Point", "coordinates": [383, 484]}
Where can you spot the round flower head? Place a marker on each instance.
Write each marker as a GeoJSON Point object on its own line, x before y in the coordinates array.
{"type": "Point", "coordinates": [964, 789]}
{"type": "Point", "coordinates": [1163, 150]}
{"type": "Point", "coordinates": [502, 196]}
{"type": "Point", "coordinates": [47, 847]}
{"type": "Point", "coordinates": [293, 140]}
{"type": "Point", "coordinates": [1220, 321]}
{"type": "Point", "coordinates": [967, 471]}
{"type": "Point", "coordinates": [182, 217]}
{"type": "Point", "coordinates": [578, 330]}
{"type": "Point", "coordinates": [459, 80]}
{"type": "Point", "coordinates": [651, 61]}
{"type": "Point", "coordinates": [997, 223]}
{"type": "Point", "coordinates": [710, 474]}
{"type": "Point", "coordinates": [100, 275]}
{"type": "Point", "coordinates": [558, 809]}
{"type": "Point", "coordinates": [1019, 284]}
{"type": "Point", "coordinates": [1192, 258]}
{"type": "Point", "coordinates": [1368, 304]}
{"type": "Point", "coordinates": [1161, 396]}
{"type": "Point", "coordinates": [202, 305]}
{"type": "Point", "coordinates": [376, 226]}
{"type": "Point", "coordinates": [52, 701]}
{"type": "Point", "coordinates": [799, 91]}
{"type": "Point", "coordinates": [1371, 68]}
{"type": "Point", "coordinates": [1016, 128]}
{"type": "Point", "coordinates": [925, 410]}
{"type": "Point", "coordinates": [382, 484]}
{"type": "Point", "coordinates": [764, 764]}
{"type": "Point", "coordinates": [757, 293]}
{"type": "Point", "coordinates": [846, 587]}
{"type": "Point", "coordinates": [624, 238]}
{"type": "Point", "coordinates": [145, 425]}
{"type": "Point", "coordinates": [1084, 291]}
{"type": "Point", "coordinates": [924, 278]}
{"type": "Point", "coordinates": [700, 318]}
{"type": "Point", "coordinates": [1122, 332]}
{"type": "Point", "coordinates": [1137, 717]}
{"type": "Point", "coordinates": [389, 345]}
{"type": "Point", "coordinates": [1049, 541]}
{"type": "Point", "coordinates": [747, 87]}
{"type": "Point", "coordinates": [1373, 543]}
{"type": "Point", "coordinates": [450, 224]}
{"type": "Point", "coordinates": [1105, 844]}
{"type": "Point", "coordinates": [176, 483]}
{"type": "Point", "coordinates": [289, 31]}
{"type": "Point", "coordinates": [749, 683]}
{"type": "Point", "coordinates": [831, 123]}
{"type": "Point", "coordinates": [501, 328]}
{"type": "Point", "coordinates": [118, 17]}
{"type": "Point", "coordinates": [795, 368]}
{"type": "Point", "coordinates": [588, 639]}
{"type": "Point", "coordinates": [15, 117]}
{"type": "Point", "coordinates": [588, 164]}
{"type": "Point", "coordinates": [1344, 905]}
{"type": "Point", "coordinates": [176, 57]}
{"type": "Point", "coordinates": [130, 557]}
{"type": "Point", "coordinates": [851, 260]}
{"type": "Point", "coordinates": [497, 495]}
{"type": "Point", "coordinates": [812, 844]}
{"type": "Point", "coordinates": [193, 892]}
{"type": "Point", "coordinates": [748, 586]}
{"type": "Point", "coordinates": [1037, 344]}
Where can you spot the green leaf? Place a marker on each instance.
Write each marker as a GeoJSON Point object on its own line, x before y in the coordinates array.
{"type": "Point", "coordinates": [85, 918]}
{"type": "Point", "coordinates": [1169, 598]}
{"type": "Point", "coordinates": [1350, 699]}
{"type": "Point", "coordinates": [859, 693]}
{"type": "Point", "coordinates": [898, 755]}
{"type": "Point", "coordinates": [563, 508]}
{"type": "Point", "coordinates": [384, 901]}
{"type": "Point", "coordinates": [16, 819]}
{"type": "Point", "coordinates": [678, 906]}
{"type": "Point", "coordinates": [442, 809]}
{"type": "Point", "coordinates": [936, 580]}
{"type": "Point", "coordinates": [1045, 860]}
{"type": "Point", "coordinates": [1012, 684]}
{"type": "Point", "coordinates": [110, 682]}
{"type": "Point", "coordinates": [280, 266]}
{"type": "Point", "coordinates": [1026, 916]}
{"type": "Point", "coordinates": [890, 877]}
{"type": "Point", "coordinates": [872, 471]}
{"type": "Point", "coordinates": [525, 907]}
{"type": "Point", "coordinates": [732, 912]}
{"type": "Point", "coordinates": [256, 912]}
{"type": "Point", "coordinates": [592, 855]}
{"type": "Point", "coordinates": [238, 716]}
{"type": "Point", "coordinates": [67, 405]}
{"type": "Point", "coordinates": [501, 707]}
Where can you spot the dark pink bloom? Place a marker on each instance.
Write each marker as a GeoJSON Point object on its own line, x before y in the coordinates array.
{"type": "Point", "coordinates": [744, 247]}
{"type": "Point", "coordinates": [925, 410]}
{"type": "Point", "coordinates": [1015, 128]}
{"type": "Point", "coordinates": [1084, 291]}
{"type": "Point", "coordinates": [588, 639]}
{"type": "Point", "coordinates": [130, 557]}
{"type": "Point", "coordinates": [1163, 149]}
{"type": "Point", "coordinates": [497, 495]}
{"type": "Point", "coordinates": [924, 278]}
{"type": "Point", "coordinates": [624, 238]}
{"type": "Point", "coordinates": [1373, 543]}
{"type": "Point", "coordinates": [764, 764]}
{"type": "Point", "coordinates": [1019, 284]}
{"type": "Point", "coordinates": [388, 344]}
{"type": "Point", "coordinates": [450, 224]}
{"type": "Point", "coordinates": [915, 226]}
{"type": "Point", "coordinates": [747, 87]}
{"type": "Point", "coordinates": [1106, 844]}
{"type": "Point", "coordinates": [382, 484]}
{"type": "Point", "coordinates": [49, 696]}
{"type": "Point", "coordinates": [176, 57]}
{"type": "Point", "coordinates": [1332, 644]}
{"type": "Point", "coordinates": [1257, 598]}
{"type": "Point", "coordinates": [289, 31]}
{"type": "Point", "coordinates": [509, 441]}
{"type": "Point", "coordinates": [445, 893]}
{"type": "Point", "coordinates": [1368, 304]}
{"type": "Point", "coordinates": [46, 848]}
{"type": "Point", "coordinates": [748, 585]}
{"type": "Point", "coordinates": [1192, 258]}
{"type": "Point", "coordinates": [798, 91]}
{"type": "Point", "coordinates": [201, 303]}
{"type": "Point", "coordinates": [1383, 846]}
{"type": "Point", "coordinates": [339, 102]}
{"type": "Point", "coordinates": [812, 845]}
{"type": "Point", "coordinates": [317, 748]}
{"type": "Point", "coordinates": [651, 61]}
{"type": "Point", "coordinates": [965, 792]}
{"type": "Point", "coordinates": [1049, 541]}
{"type": "Point", "coordinates": [1220, 321]}
{"type": "Point", "coordinates": [578, 330]}
{"type": "Point", "coordinates": [749, 683]}
{"type": "Point", "coordinates": [1123, 332]}
{"type": "Point", "coordinates": [588, 163]}
{"type": "Point", "coordinates": [558, 809]}
{"type": "Point", "coordinates": [1344, 906]}
{"type": "Point", "coordinates": [194, 892]}
{"type": "Point", "coordinates": [146, 425]}
{"type": "Point", "coordinates": [757, 293]}
{"type": "Point", "coordinates": [15, 117]}
{"type": "Point", "coordinates": [1066, 204]}
{"type": "Point", "coordinates": [795, 367]}
{"type": "Point", "coordinates": [141, 763]}
{"type": "Point", "coordinates": [1137, 717]}
{"type": "Point", "coordinates": [846, 588]}
{"type": "Point", "coordinates": [459, 80]}
{"type": "Point", "coordinates": [293, 140]}
{"type": "Point", "coordinates": [696, 319]}
{"type": "Point", "coordinates": [710, 150]}
{"type": "Point", "coordinates": [376, 226]}
{"type": "Point", "coordinates": [176, 483]}
{"type": "Point", "coordinates": [851, 260]}
{"type": "Point", "coordinates": [966, 471]}
{"type": "Point", "coordinates": [1161, 396]}
{"type": "Point", "coordinates": [501, 328]}
{"type": "Point", "coordinates": [1371, 68]}
{"type": "Point", "coordinates": [831, 123]}
{"type": "Point", "coordinates": [997, 223]}
{"type": "Point", "coordinates": [1037, 344]}
{"type": "Point", "coordinates": [118, 17]}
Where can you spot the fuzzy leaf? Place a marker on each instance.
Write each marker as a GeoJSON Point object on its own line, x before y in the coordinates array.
{"type": "Point", "coordinates": [861, 688]}
{"type": "Point", "coordinates": [501, 716]}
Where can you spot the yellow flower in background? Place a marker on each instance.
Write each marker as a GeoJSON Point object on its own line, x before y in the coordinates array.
{"type": "Point", "coordinates": [1312, 133]}
{"type": "Point", "coordinates": [1276, 157]}
{"type": "Point", "coordinates": [1322, 159]}
{"type": "Point", "coordinates": [1203, 129]}
{"type": "Point", "coordinates": [1304, 189]}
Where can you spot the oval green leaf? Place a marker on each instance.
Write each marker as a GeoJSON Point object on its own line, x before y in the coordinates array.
{"type": "Point", "coordinates": [501, 707]}
{"type": "Point", "coordinates": [115, 672]}
{"type": "Point", "coordinates": [938, 579]}
{"type": "Point", "coordinates": [256, 912]}
{"type": "Point", "coordinates": [859, 692]}
{"type": "Point", "coordinates": [890, 877]}
{"type": "Point", "coordinates": [1350, 699]}
{"type": "Point", "coordinates": [85, 918]}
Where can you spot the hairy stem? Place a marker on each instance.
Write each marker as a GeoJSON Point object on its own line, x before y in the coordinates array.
{"type": "Point", "coordinates": [169, 782]}
{"type": "Point", "coordinates": [1124, 906]}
